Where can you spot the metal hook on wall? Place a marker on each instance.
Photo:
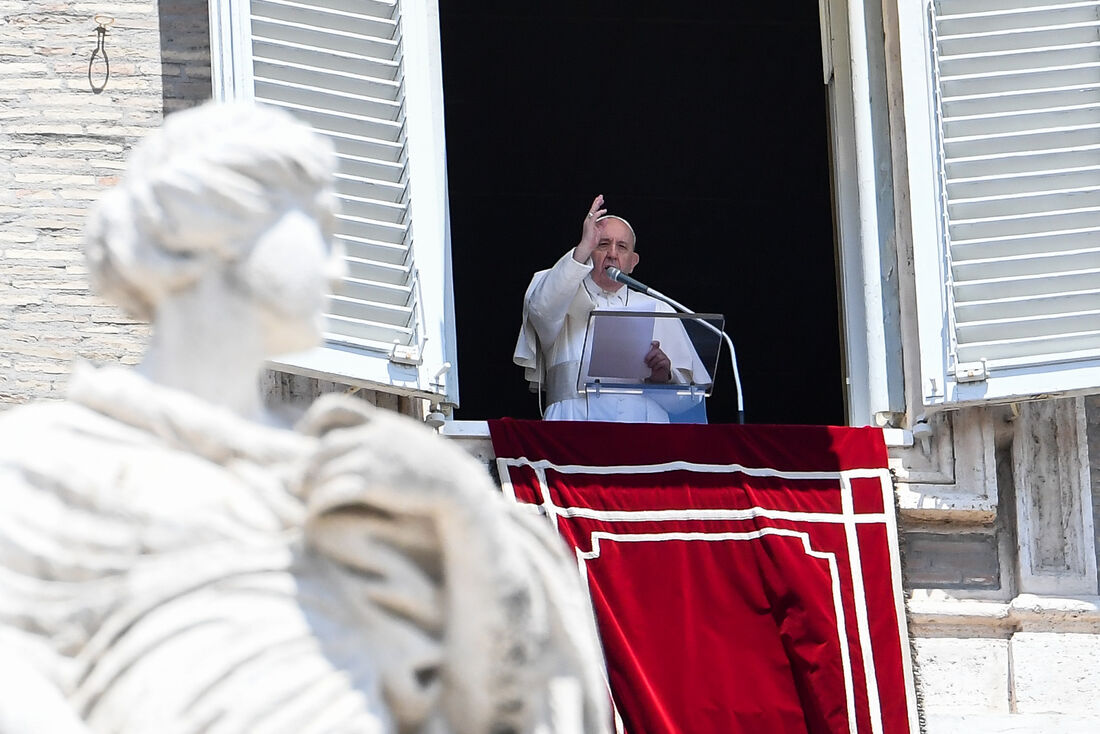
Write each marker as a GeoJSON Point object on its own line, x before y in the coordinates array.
{"type": "Point", "coordinates": [102, 22]}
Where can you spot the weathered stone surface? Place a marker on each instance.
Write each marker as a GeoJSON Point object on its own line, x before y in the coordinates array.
{"type": "Point", "coordinates": [945, 560]}
{"type": "Point", "coordinates": [1053, 499]}
{"type": "Point", "coordinates": [1056, 672]}
{"type": "Point", "coordinates": [1012, 724]}
{"type": "Point", "coordinates": [949, 473]}
{"type": "Point", "coordinates": [963, 674]}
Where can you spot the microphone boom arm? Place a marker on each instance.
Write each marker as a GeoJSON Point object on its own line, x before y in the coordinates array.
{"type": "Point", "coordinates": [629, 282]}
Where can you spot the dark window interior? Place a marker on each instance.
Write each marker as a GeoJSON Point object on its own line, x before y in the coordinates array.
{"type": "Point", "coordinates": [702, 123]}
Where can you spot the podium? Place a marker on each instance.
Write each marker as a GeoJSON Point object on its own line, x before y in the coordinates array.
{"type": "Point", "coordinates": [618, 386]}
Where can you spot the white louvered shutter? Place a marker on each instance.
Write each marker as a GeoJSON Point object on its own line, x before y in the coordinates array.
{"type": "Point", "coordinates": [365, 74]}
{"type": "Point", "coordinates": [1004, 145]}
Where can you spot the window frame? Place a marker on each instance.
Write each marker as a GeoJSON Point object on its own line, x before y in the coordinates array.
{"type": "Point", "coordinates": [867, 269]}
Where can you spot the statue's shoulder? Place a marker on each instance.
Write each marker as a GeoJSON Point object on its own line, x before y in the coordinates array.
{"type": "Point", "coordinates": [50, 426]}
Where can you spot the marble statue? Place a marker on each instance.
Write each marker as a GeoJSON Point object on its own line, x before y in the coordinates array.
{"type": "Point", "coordinates": [174, 560]}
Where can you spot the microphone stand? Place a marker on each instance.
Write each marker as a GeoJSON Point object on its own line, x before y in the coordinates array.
{"type": "Point", "coordinates": [621, 277]}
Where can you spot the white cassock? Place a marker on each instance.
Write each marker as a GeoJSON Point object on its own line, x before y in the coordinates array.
{"type": "Point", "coordinates": [556, 308]}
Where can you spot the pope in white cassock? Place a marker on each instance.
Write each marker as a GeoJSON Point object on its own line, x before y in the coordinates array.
{"type": "Point", "coordinates": [556, 311]}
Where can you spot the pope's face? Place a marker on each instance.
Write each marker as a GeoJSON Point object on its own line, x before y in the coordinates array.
{"type": "Point", "coordinates": [615, 248]}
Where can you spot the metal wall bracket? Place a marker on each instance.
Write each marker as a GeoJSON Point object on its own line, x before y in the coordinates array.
{"type": "Point", "coordinates": [971, 371]}
{"type": "Point", "coordinates": [409, 355]}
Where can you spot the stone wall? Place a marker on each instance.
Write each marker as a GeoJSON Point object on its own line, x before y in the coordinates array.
{"type": "Point", "coordinates": [1013, 646]}
{"type": "Point", "coordinates": [61, 145]}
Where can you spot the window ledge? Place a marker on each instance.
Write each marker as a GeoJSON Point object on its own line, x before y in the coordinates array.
{"type": "Point", "coordinates": [472, 430]}
{"type": "Point", "coordinates": [1027, 612]}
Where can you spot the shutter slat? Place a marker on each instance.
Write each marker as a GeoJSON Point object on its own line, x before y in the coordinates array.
{"type": "Point", "coordinates": [371, 229]}
{"type": "Point", "coordinates": [1021, 100]}
{"type": "Point", "coordinates": [1033, 327]}
{"type": "Point", "coordinates": [1023, 182]}
{"type": "Point", "coordinates": [374, 8]}
{"type": "Point", "coordinates": [348, 305]}
{"type": "Point", "coordinates": [266, 29]}
{"type": "Point", "coordinates": [1042, 264]}
{"type": "Point", "coordinates": [389, 274]}
{"type": "Point", "coordinates": [350, 143]}
{"type": "Point", "coordinates": [1025, 203]}
{"type": "Point", "coordinates": [1017, 81]}
{"type": "Point", "coordinates": [1022, 162]}
{"type": "Point", "coordinates": [367, 334]}
{"type": "Point", "coordinates": [965, 7]}
{"type": "Point", "coordinates": [1027, 38]}
{"type": "Point", "coordinates": [324, 113]}
{"type": "Point", "coordinates": [1031, 244]}
{"type": "Point", "coordinates": [371, 171]}
{"type": "Point", "coordinates": [1017, 19]}
{"type": "Point", "coordinates": [1059, 345]}
{"type": "Point", "coordinates": [1030, 141]}
{"type": "Point", "coordinates": [1070, 116]}
{"type": "Point", "coordinates": [325, 18]}
{"type": "Point", "coordinates": [367, 249]}
{"type": "Point", "coordinates": [348, 186]}
{"type": "Point", "coordinates": [374, 292]}
{"type": "Point", "coordinates": [287, 52]}
{"type": "Point", "coordinates": [343, 81]}
{"type": "Point", "coordinates": [1027, 223]}
{"type": "Point", "coordinates": [1016, 59]}
{"type": "Point", "coordinates": [1030, 285]}
{"type": "Point", "coordinates": [372, 209]}
{"type": "Point", "coordinates": [1028, 306]}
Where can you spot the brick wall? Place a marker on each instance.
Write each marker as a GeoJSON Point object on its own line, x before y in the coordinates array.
{"type": "Point", "coordinates": [61, 146]}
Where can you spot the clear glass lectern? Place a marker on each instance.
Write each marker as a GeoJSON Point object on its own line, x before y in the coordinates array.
{"type": "Point", "coordinates": [617, 384]}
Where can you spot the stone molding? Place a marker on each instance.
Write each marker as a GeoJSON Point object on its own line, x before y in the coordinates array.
{"type": "Point", "coordinates": [1057, 553]}
{"type": "Point", "coordinates": [1025, 613]}
{"type": "Point", "coordinates": [950, 473]}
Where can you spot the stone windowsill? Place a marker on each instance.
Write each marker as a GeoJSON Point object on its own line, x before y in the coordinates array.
{"type": "Point", "coordinates": [475, 430]}
{"type": "Point", "coordinates": [1027, 612]}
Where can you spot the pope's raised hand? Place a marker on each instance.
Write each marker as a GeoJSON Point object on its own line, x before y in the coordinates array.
{"type": "Point", "coordinates": [590, 235]}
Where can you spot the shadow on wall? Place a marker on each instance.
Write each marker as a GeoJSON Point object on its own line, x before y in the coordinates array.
{"type": "Point", "coordinates": [184, 53]}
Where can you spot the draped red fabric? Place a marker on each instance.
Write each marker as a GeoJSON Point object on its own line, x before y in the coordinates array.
{"type": "Point", "coordinates": [744, 578]}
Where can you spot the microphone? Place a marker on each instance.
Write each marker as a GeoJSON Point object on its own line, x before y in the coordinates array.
{"type": "Point", "coordinates": [620, 277]}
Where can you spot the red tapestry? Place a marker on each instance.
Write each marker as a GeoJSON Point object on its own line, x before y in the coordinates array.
{"type": "Point", "coordinates": [744, 578]}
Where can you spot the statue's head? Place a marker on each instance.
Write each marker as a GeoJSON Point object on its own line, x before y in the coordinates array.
{"type": "Point", "coordinates": [238, 191]}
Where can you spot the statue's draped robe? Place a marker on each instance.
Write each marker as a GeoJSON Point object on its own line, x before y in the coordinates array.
{"type": "Point", "coordinates": [166, 566]}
